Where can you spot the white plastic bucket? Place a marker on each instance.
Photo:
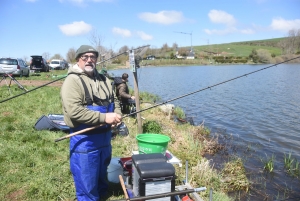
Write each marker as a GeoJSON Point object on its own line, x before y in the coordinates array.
{"type": "Point", "coordinates": [114, 170]}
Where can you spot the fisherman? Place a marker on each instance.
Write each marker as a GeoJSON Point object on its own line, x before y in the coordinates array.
{"type": "Point", "coordinates": [88, 100]}
{"type": "Point", "coordinates": [123, 95]}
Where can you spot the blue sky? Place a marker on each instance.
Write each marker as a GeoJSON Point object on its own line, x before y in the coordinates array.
{"type": "Point", "coordinates": [35, 27]}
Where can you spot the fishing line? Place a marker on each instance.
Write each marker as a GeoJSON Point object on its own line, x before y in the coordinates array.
{"type": "Point", "coordinates": [31, 90]}
{"type": "Point", "coordinates": [209, 87]}
{"type": "Point", "coordinates": [66, 76]}
{"type": "Point", "coordinates": [153, 106]}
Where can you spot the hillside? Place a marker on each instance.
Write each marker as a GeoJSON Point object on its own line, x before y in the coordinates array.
{"type": "Point", "coordinates": [242, 49]}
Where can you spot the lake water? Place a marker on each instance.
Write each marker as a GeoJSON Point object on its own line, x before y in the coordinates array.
{"type": "Point", "coordinates": [260, 112]}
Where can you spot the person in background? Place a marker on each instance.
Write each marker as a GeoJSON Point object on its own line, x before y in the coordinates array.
{"type": "Point", "coordinates": [122, 92]}
{"type": "Point", "coordinates": [88, 100]}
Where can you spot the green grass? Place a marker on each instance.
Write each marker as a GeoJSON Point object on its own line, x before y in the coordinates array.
{"type": "Point", "coordinates": [242, 49]}
{"type": "Point", "coordinates": [34, 167]}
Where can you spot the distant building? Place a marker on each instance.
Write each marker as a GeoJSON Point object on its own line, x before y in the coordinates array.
{"type": "Point", "coordinates": [150, 57]}
{"type": "Point", "coordinates": [191, 55]}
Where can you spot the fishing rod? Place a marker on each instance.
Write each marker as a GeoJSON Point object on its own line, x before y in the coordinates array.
{"type": "Point", "coordinates": [158, 104]}
{"type": "Point", "coordinates": [66, 75]}
{"type": "Point", "coordinates": [85, 130]}
{"type": "Point", "coordinates": [162, 195]}
{"type": "Point", "coordinates": [121, 54]}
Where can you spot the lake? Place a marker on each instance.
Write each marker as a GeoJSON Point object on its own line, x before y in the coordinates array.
{"type": "Point", "coordinates": [259, 114]}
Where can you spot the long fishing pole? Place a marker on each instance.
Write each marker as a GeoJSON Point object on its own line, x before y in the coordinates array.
{"type": "Point", "coordinates": [65, 76]}
{"type": "Point", "coordinates": [162, 195]}
{"type": "Point", "coordinates": [31, 90]}
{"type": "Point", "coordinates": [156, 105]}
{"type": "Point", "coordinates": [121, 54]}
{"type": "Point", "coordinates": [209, 87]}
{"type": "Point", "coordinates": [85, 130]}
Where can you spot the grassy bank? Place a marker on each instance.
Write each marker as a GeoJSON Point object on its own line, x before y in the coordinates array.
{"type": "Point", "coordinates": [34, 167]}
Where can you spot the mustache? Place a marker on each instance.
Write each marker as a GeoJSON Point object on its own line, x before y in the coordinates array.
{"type": "Point", "coordinates": [90, 64]}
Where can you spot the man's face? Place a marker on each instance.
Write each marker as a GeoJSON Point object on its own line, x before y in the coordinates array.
{"type": "Point", "coordinates": [87, 62]}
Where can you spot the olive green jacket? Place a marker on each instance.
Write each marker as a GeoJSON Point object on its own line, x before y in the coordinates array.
{"type": "Point", "coordinates": [73, 97]}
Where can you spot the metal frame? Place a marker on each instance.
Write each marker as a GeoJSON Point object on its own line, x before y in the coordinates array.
{"type": "Point", "coordinates": [5, 75]}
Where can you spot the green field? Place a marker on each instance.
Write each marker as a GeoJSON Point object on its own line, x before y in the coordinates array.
{"type": "Point", "coordinates": [242, 49]}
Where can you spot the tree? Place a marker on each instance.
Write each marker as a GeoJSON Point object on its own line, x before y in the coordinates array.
{"type": "Point", "coordinates": [253, 56]}
{"type": "Point", "coordinates": [25, 59]}
{"type": "Point", "coordinates": [71, 55]}
{"type": "Point", "coordinates": [123, 49]}
{"type": "Point", "coordinates": [175, 46]}
{"type": "Point", "coordinates": [46, 55]}
{"type": "Point", "coordinates": [172, 56]}
{"type": "Point", "coordinates": [165, 47]}
{"type": "Point", "coordinates": [57, 56]}
{"type": "Point", "coordinates": [291, 44]}
{"type": "Point", "coordinates": [183, 51]}
{"type": "Point", "coordinates": [96, 41]}
{"type": "Point", "coordinates": [264, 56]}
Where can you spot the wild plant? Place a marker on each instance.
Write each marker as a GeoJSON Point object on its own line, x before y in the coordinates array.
{"type": "Point", "coordinates": [291, 165]}
{"type": "Point", "coordinates": [269, 163]}
{"type": "Point", "coordinates": [288, 161]}
{"type": "Point", "coordinates": [179, 112]}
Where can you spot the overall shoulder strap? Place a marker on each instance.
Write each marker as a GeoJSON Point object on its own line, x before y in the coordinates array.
{"type": "Point", "coordinates": [88, 98]}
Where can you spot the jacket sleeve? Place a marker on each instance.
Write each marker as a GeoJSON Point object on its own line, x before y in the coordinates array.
{"type": "Point", "coordinates": [116, 100]}
{"type": "Point", "coordinates": [122, 91]}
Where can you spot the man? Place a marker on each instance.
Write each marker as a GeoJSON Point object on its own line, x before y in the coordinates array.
{"type": "Point", "coordinates": [123, 95]}
{"type": "Point", "coordinates": [88, 100]}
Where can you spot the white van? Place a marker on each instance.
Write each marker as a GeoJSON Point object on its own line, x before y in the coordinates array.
{"type": "Point", "coordinates": [56, 64]}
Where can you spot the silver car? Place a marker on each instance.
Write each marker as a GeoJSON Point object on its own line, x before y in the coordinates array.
{"type": "Point", "coordinates": [14, 66]}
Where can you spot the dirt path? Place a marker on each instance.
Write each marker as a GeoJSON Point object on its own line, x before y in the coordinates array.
{"type": "Point", "coordinates": [35, 83]}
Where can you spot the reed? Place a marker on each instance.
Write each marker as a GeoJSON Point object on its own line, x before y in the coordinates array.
{"type": "Point", "coordinates": [291, 165]}
{"type": "Point", "coordinates": [269, 163]}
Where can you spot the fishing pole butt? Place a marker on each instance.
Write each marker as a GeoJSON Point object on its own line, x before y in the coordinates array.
{"type": "Point", "coordinates": [59, 139]}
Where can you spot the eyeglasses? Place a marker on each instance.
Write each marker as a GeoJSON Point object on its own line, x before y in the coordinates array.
{"type": "Point", "coordinates": [86, 57]}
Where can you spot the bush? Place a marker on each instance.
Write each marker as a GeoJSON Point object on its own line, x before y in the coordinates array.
{"type": "Point", "coordinates": [151, 127]}
{"type": "Point", "coordinates": [179, 112]}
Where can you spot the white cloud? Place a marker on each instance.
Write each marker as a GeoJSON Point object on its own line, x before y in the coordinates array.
{"type": "Point", "coordinates": [75, 28]}
{"type": "Point", "coordinates": [247, 31]}
{"type": "Point", "coordinates": [285, 25]}
{"type": "Point", "coordinates": [162, 17]}
{"type": "Point", "coordinates": [123, 32]}
{"type": "Point", "coordinates": [144, 36]}
{"type": "Point", "coordinates": [221, 17]}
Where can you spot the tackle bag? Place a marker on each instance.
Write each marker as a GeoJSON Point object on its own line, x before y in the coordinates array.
{"type": "Point", "coordinates": [116, 82]}
{"type": "Point", "coordinates": [52, 122]}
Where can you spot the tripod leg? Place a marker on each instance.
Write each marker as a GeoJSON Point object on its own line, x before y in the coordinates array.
{"type": "Point", "coordinates": [13, 79]}
{"type": "Point", "coordinates": [4, 78]}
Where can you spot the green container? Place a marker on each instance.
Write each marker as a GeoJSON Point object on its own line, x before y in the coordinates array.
{"type": "Point", "coordinates": [152, 143]}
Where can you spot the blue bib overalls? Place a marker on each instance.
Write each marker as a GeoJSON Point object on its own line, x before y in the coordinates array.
{"type": "Point", "coordinates": [90, 155]}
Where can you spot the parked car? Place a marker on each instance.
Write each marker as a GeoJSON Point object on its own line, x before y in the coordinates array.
{"type": "Point", "coordinates": [150, 57]}
{"type": "Point", "coordinates": [39, 63]}
{"type": "Point", "coordinates": [14, 66]}
{"type": "Point", "coordinates": [57, 64]}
